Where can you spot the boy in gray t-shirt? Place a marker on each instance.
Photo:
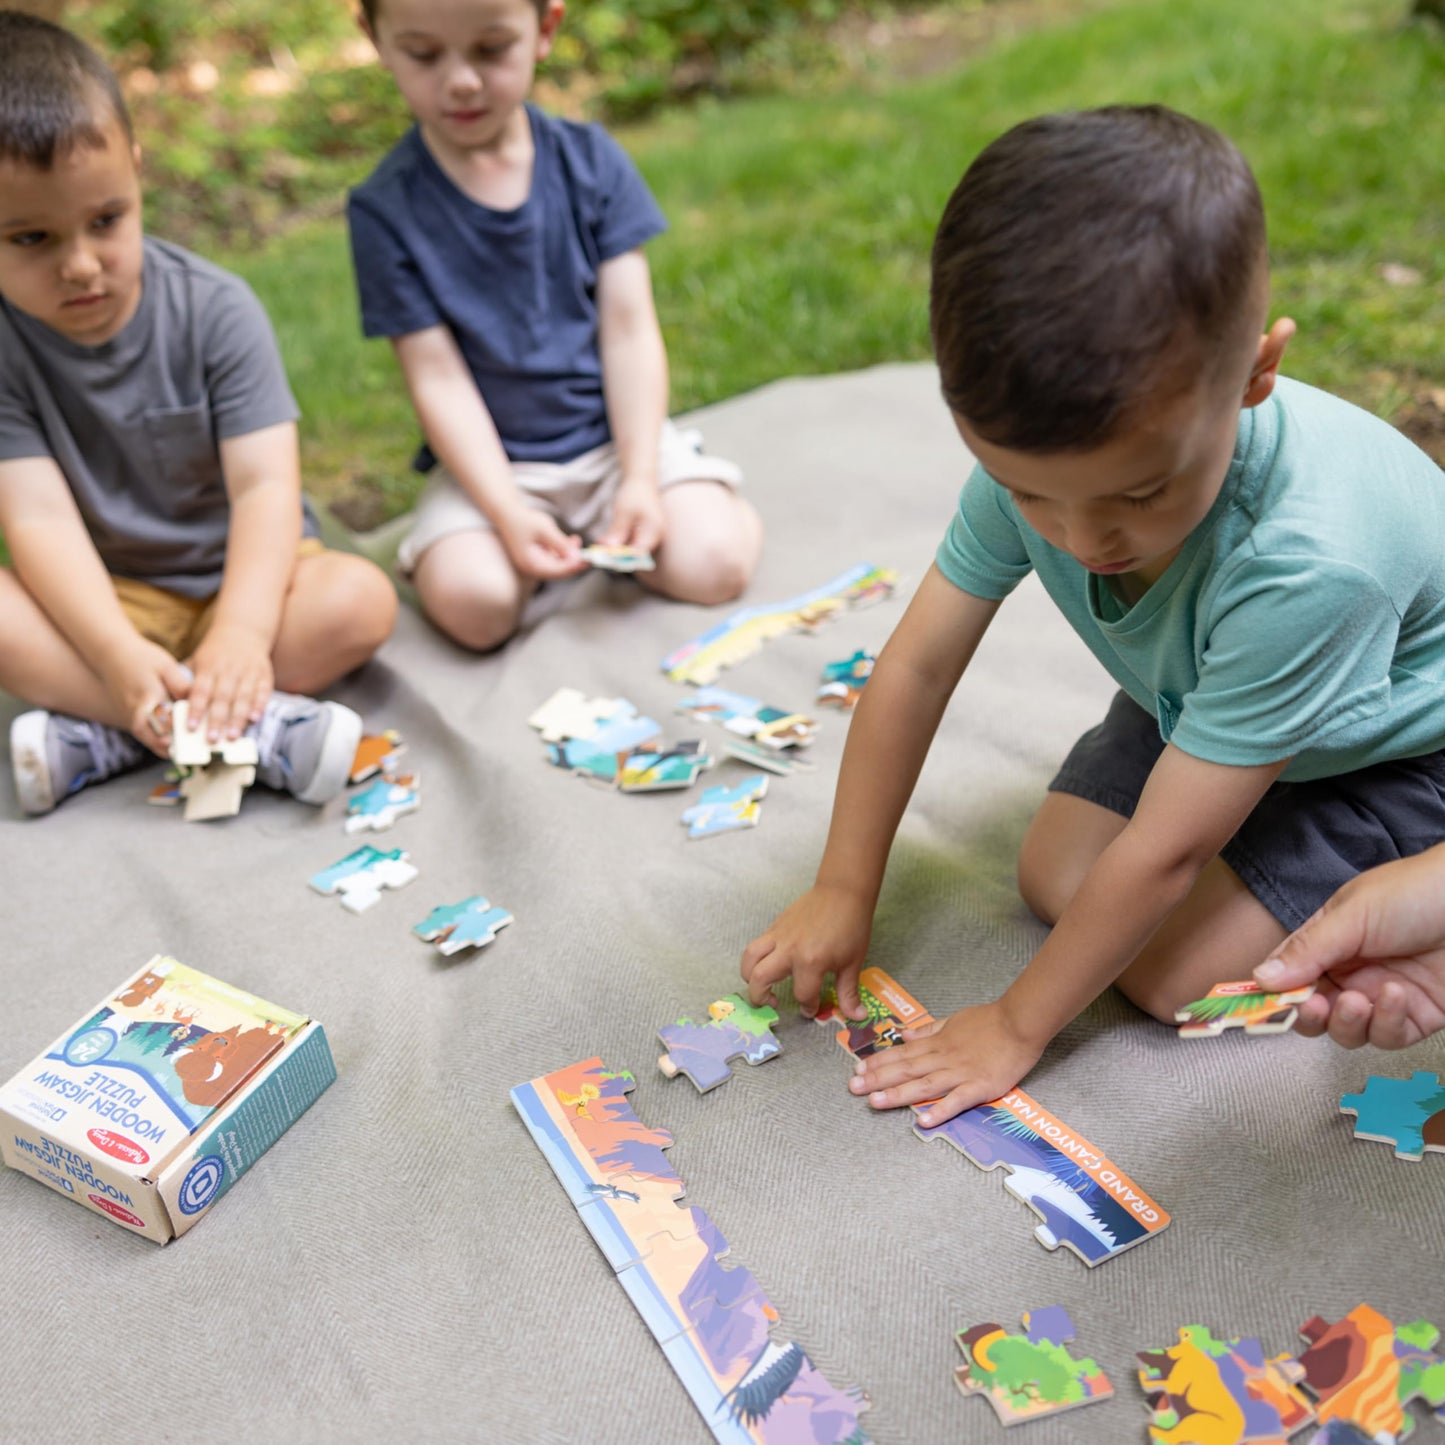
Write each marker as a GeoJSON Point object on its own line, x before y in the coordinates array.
{"type": "Point", "coordinates": [150, 490]}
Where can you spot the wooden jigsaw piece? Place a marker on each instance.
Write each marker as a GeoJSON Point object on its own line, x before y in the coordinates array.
{"type": "Point", "coordinates": [569, 713]}
{"type": "Point", "coordinates": [750, 717]}
{"type": "Point", "coordinates": [212, 777]}
{"type": "Point", "coordinates": [215, 791]}
{"type": "Point", "coordinates": [1243, 1006]}
{"type": "Point", "coordinates": [379, 806]}
{"type": "Point", "coordinates": [726, 809]}
{"type": "Point", "coordinates": [1364, 1370]}
{"type": "Point", "coordinates": [843, 682]}
{"type": "Point", "coordinates": [1028, 1375]}
{"type": "Point", "coordinates": [616, 557]}
{"type": "Point", "coordinates": [781, 762]}
{"type": "Point", "coordinates": [675, 767]}
{"type": "Point", "coordinates": [1223, 1391]}
{"type": "Point", "coordinates": [376, 753]}
{"type": "Point", "coordinates": [1408, 1113]}
{"type": "Point", "coordinates": [360, 876]}
{"type": "Point", "coordinates": [733, 1029]}
{"type": "Point", "coordinates": [472, 923]}
{"type": "Point", "coordinates": [891, 1009]}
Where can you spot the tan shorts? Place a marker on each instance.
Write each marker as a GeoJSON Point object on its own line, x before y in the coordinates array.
{"type": "Point", "coordinates": [174, 622]}
{"type": "Point", "coordinates": [578, 494]}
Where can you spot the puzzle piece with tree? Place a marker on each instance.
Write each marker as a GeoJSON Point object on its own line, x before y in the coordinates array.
{"type": "Point", "coordinates": [1210, 1391]}
{"type": "Point", "coordinates": [360, 876]}
{"type": "Point", "coordinates": [733, 1029]}
{"type": "Point", "coordinates": [1408, 1113]}
{"type": "Point", "coordinates": [1028, 1375]}
{"type": "Point", "coordinates": [1243, 1006]}
{"type": "Point", "coordinates": [1366, 1370]}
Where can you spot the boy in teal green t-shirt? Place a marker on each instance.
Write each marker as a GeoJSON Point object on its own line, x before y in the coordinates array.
{"type": "Point", "coordinates": [1260, 566]}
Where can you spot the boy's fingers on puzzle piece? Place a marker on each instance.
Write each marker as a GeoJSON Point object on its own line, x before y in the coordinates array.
{"type": "Point", "coordinates": [1314, 1016]}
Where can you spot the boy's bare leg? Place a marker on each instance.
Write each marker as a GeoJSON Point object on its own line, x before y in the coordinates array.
{"type": "Point", "coordinates": [469, 589]}
{"type": "Point", "coordinates": [39, 666]}
{"type": "Point", "coordinates": [1219, 933]}
{"type": "Point", "coordinates": [712, 543]}
{"type": "Point", "coordinates": [339, 609]}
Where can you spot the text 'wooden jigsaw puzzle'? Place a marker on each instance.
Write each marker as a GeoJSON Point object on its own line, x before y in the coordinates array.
{"type": "Point", "coordinates": [715, 1324]}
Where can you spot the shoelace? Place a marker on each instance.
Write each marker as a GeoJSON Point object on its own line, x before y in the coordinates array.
{"type": "Point", "coordinates": [269, 733]}
{"type": "Point", "coordinates": [111, 750]}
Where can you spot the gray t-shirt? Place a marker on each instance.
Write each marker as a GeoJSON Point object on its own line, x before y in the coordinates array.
{"type": "Point", "coordinates": [136, 422]}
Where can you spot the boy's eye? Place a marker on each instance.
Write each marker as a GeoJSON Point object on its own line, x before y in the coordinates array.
{"type": "Point", "coordinates": [1024, 499]}
{"type": "Point", "coordinates": [105, 222]}
{"type": "Point", "coordinates": [1149, 498]}
{"type": "Point", "coordinates": [421, 57]}
{"type": "Point", "coordinates": [27, 239]}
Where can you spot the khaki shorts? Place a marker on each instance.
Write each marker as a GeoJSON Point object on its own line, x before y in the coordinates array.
{"type": "Point", "coordinates": [577, 494]}
{"type": "Point", "coordinates": [174, 622]}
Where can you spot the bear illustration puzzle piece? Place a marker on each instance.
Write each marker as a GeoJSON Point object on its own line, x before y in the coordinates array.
{"type": "Point", "coordinates": [472, 923]}
{"type": "Point", "coordinates": [733, 1029]}
{"type": "Point", "coordinates": [1365, 1370]}
{"type": "Point", "coordinates": [1243, 1006]}
{"type": "Point", "coordinates": [360, 876]}
{"type": "Point", "coordinates": [381, 803]}
{"type": "Point", "coordinates": [1408, 1113]}
{"type": "Point", "coordinates": [1028, 1375]}
{"type": "Point", "coordinates": [1223, 1391]}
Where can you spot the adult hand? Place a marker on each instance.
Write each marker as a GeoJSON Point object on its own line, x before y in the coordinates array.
{"type": "Point", "coordinates": [970, 1057]}
{"type": "Point", "coordinates": [538, 547]}
{"type": "Point", "coordinates": [636, 520]}
{"type": "Point", "coordinates": [1376, 953]}
{"type": "Point", "coordinates": [825, 931]}
{"type": "Point", "coordinates": [233, 681]}
{"type": "Point", "coordinates": [143, 679]}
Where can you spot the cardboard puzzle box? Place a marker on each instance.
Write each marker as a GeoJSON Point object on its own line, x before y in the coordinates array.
{"type": "Point", "coordinates": [152, 1106]}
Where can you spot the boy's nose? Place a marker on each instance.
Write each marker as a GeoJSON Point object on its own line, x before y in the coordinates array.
{"type": "Point", "coordinates": [464, 80]}
{"type": "Point", "coordinates": [80, 264]}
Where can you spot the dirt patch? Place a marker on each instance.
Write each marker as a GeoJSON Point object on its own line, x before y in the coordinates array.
{"type": "Point", "coordinates": [1422, 419]}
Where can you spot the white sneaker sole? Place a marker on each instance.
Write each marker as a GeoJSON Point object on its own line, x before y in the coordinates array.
{"type": "Point", "coordinates": [338, 749]}
{"type": "Point", "coordinates": [34, 786]}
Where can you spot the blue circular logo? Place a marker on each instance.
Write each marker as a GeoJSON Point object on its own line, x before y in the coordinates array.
{"type": "Point", "coordinates": [202, 1183]}
{"type": "Point", "coordinates": [90, 1046]}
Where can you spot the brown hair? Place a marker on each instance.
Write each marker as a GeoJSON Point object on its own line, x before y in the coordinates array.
{"type": "Point", "coordinates": [369, 9]}
{"type": "Point", "coordinates": [56, 93]}
{"type": "Point", "coordinates": [1076, 250]}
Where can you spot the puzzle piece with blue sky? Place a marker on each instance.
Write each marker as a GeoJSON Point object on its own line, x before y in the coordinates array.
{"type": "Point", "coordinates": [472, 923]}
{"type": "Point", "coordinates": [1408, 1113]}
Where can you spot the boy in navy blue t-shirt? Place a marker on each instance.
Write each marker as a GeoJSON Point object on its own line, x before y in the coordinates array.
{"type": "Point", "coordinates": [500, 250]}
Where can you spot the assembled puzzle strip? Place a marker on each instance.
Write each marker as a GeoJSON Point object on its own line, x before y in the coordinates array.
{"type": "Point", "coordinates": [713, 1323]}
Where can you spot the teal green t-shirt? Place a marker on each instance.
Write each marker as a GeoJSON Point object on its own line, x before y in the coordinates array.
{"type": "Point", "coordinates": [1303, 618]}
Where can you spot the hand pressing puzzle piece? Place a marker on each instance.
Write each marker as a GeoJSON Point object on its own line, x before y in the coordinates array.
{"type": "Point", "coordinates": [376, 753]}
{"type": "Point", "coordinates": [360, 876]}
{"type": "Point", "coordinates": [472, 923]}
{"type": "Point", "coordinates": [1222, 1392]}
{"type": "Point", "coordinates": [1408, 1113]}
{"type": "Point", "coordinates": [1365, 1371]}
{"type": "Point", "coordinates": [1242, 1006]}
{"type": "Point", "coordinates": [734, 1029]}
{"type": "Point", "coordinates": [213, 776]}
{"type": "Point", "coordinates": [724, 810]}
{"type": "Point", "coordinates": [1028, 1375]}
{"type": "Point", "coordinates": [615, 557]}
{"type": "Point", "coordinates": [380, 805]}
{"type": "Point", "coordinates": [890, 1007]}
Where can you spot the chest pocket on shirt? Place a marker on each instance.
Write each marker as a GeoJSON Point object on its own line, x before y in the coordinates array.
{"type": "Point", "coordinates": [188, 465]}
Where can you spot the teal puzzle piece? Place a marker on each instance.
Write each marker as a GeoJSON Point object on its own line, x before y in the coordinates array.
{"type": "Point", "coordinates": [1408, 1113]}
{"type": "Point", "coordinates": [472, 923]}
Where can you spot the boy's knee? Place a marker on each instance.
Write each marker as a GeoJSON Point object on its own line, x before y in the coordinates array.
{"type": "Point", "coordinates": [476, 616]}
{"type": "Point", "coordinates": [1037, 888]}
{"type": "Point", "coordinates": [363, 605]}
{"type": "Point", "coordinates": [1152, 990]}
{"type": "Point", "coordinates": [721, 574]}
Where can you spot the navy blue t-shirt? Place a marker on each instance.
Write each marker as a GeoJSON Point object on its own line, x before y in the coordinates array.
{"type": "Point", "coordinates": [518, 289]}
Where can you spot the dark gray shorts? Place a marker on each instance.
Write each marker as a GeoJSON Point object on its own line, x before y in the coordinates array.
{"type": "Point", "coordinates": [1303, 840]}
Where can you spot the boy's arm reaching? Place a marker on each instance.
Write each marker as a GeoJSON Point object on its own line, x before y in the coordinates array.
{"type": "Point", "coordinates": [1188, 810]}
{"type": "Point", "coordinates": [460, 430]}
{"type": "Point", "coordinates": [233, 669]}
{"type": "Point", "coordinates": [58, 565]}
{"type": "Point", "coordinates": [827, 929]}
{"type": "Point", "coordinates": [634, 383]}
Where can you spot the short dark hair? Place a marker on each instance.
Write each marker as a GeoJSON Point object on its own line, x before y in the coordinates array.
{"type": "Point", "coordinates": [55, 92]}
{"type": "Point", "coordinates": [1074, 252]}
{"type": "Point", "coordinates": [369, 9]}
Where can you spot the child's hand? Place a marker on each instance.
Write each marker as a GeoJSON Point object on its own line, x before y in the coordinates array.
{"type": "Point", "coordinates": [1376, 952]}
{"type": "Point", "coordinates": [825, 931]}
{"type": "Point", "coordinates": [636, 518]}
{"type": "Point", "coordinates": [538, 547]}
{"type": "Point", "coordinates": [233, 681]}
{"type": "Point", "coordinates": [144, 680]}
{"type": "Point", "coordinates": [973, 1056]}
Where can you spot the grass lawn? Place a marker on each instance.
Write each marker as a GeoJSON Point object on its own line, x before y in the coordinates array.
{"type": "Point", "coordinates": [801, 224]}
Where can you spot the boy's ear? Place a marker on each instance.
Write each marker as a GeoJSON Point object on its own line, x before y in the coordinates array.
{"type": "Point", "coordinates": [551, 20]}
{"type": "Point", "coordinates": [1265, 371]}
{"type": "Point", "coordinates": [364, 25]}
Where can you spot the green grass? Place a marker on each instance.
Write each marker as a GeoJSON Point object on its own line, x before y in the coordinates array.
{"type": "Point", "coordinates": [801, 224]}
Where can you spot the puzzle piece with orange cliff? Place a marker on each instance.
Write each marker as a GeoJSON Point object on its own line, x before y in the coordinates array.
{"type": "Point", "coordinates": [1366, 1370]}
{"type": "Point", "coordinates": [1243, 1006]}
{"type": "Point", "coordinates": [733, 1029]}
{"type": "Point", "coordinates": [714, 1324]}
{"type": "Point", "coordinates": [376, 753]}
{"type": "Point", "coordinates": [1408, 1113]}
{"type": "Point", "coordinates": [1028, 1375]}
{"type": "Point", "coordinates": [1210, 1391]}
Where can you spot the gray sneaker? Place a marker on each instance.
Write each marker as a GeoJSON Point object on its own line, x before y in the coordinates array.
{"type": "Point", "coordinates": [305, 747]}
{"type": "Point", "coordinates": [55, 756]}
